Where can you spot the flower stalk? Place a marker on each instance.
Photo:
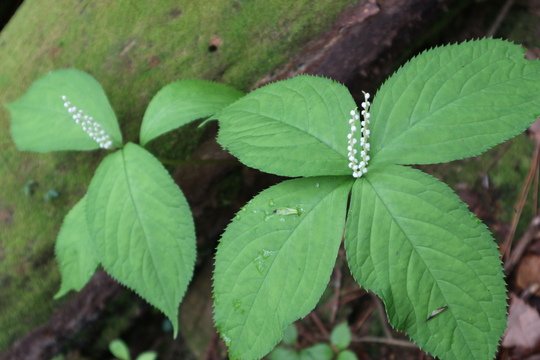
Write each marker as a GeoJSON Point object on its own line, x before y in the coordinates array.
{"type": "Point", "coordinates": [359, 165]}
{"type": "Point", "coordinates": [91, 127]}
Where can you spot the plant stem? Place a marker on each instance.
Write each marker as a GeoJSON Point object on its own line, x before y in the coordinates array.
{"type": "Point", "coordinates": [197, 162]}
{"type": "Point", "coordinates": [391, 341]}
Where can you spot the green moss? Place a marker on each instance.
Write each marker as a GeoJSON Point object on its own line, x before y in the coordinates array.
{"type": "Point", "coordinates": [133, 49]}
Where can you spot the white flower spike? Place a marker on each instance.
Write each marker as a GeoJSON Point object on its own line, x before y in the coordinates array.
{"type": "Point", "coordinates": [91, 127]}
{"type": "Point", "coordinates": [359, 167]}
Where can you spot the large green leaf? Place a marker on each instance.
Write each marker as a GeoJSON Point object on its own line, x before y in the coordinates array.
{"type": "Point", "coordinates": [75, 250]}
{"type": "Point", "coordinates": [295, 127]}
{"type": "Point", "coordinates": [411, 241]}
{"type": "Point", "coordinates": [275, 259]}
{"type": "Point", "coordinates": [182, 102]}
{"type": "Point", "coordinates": [40, 121]}
{"type": "Point", "coordinates": [453, 102]}
{"type": "Point", "coordinates": [142, 227]}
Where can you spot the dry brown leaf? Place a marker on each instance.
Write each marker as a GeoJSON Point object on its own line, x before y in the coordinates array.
{"type": "Point", "coordinates": [528, 273]}
{"type": "Point", "coordinates": [523, 325]}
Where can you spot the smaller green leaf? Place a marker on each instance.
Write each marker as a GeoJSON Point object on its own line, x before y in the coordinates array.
{"type": "Point", "coordinates": [41, 120]}
{"type": "Point", "coordinates": [119, 349]}
{"type": "Point", "coordinates": [317, 352]}
{"type": "Point", "coordinates": [294, 127]}
{"type": "Point", "coordinates": [290, 335]}
{"type": "Point", "coordinates": [281, 353]}
{"type": "Point", "coordinates": [142, 227]}
{"type": "Point", "coordinates": [341, 336]}
{"type": "Point", "coordinates": [147, 355]}
{"type": "Point", "coordinates": [182, 102]}
{"type": "Point", "coordinates": [347, 355]}
{"type": "Point", "coordinates": [75, 251]}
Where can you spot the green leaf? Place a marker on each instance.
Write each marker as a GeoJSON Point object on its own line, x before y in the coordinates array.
{"type": "Point", "coordinates": [75, 251]}
{"type": "Point", "coordinates": [317, 352]}
{"type": "Point", "coordinates": [119, 349]}
{"type": "Point", "coordinates": [290, 335]}
{"type": "Point", "coordinates": [341, 336]}
{"type": "Point", "coordinates": [453, 102]}
{"type": "Point", "coordinates": [142, 227]}
{"type": "Point", "coordinates": [295, 127]}
{"type": "Point", "coordinates": [281, 353]}
{"type": "Point", "coordinates": [147, 355]}
{"type": "Point", "coordinates": [271, 269]}
{"type": "Point", "coordinates": [347, 355]}
{"type": "Point", "coordinates": [40, 121]}
{"type": "Point", "coordinates": [411, 241]}
{"type": "Point", "coordinates": [182, 102]}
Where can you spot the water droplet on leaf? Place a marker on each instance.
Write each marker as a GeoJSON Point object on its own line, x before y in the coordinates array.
{"type": "Point", "coordinates": [260, 260]}
{"type": "Point", "coordinates": [237, 304]}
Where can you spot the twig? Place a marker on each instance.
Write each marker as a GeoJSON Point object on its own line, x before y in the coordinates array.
{"type": "Point", "coordinates": [337, 287]}
{"type": "Point", "coordinates": [198, 162]}
{"type": "Point", "coordinates": [363, 319]}
{"type": "Point", "coordinates": [382, 315]}
{"type": "Point", "coordinates": [532, 232]}
{"type": "Point", "coordinates": [351, 295]}
{"type": "Point", "coordinates": [305, 337]}
{"type": "Point", "coordinates": [535, 192]}
{"type": "Point", "coordinates": [500, 17]}
{"type": "Point", "coordinates": [521, 201]}
{"type": "Point", "coordinates": [387, 341]}
{"type": "Point", "coordinates": [319, 324]}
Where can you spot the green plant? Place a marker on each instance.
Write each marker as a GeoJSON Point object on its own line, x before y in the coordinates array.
{"type": "Point", "coordinates": [120, 350]}
{"type": "Point", "coordinates": [133, 220]}
{"type": "Point", "coordinates": [340, 339]}
{"type": "Point", "coordinates": [408, 237]}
